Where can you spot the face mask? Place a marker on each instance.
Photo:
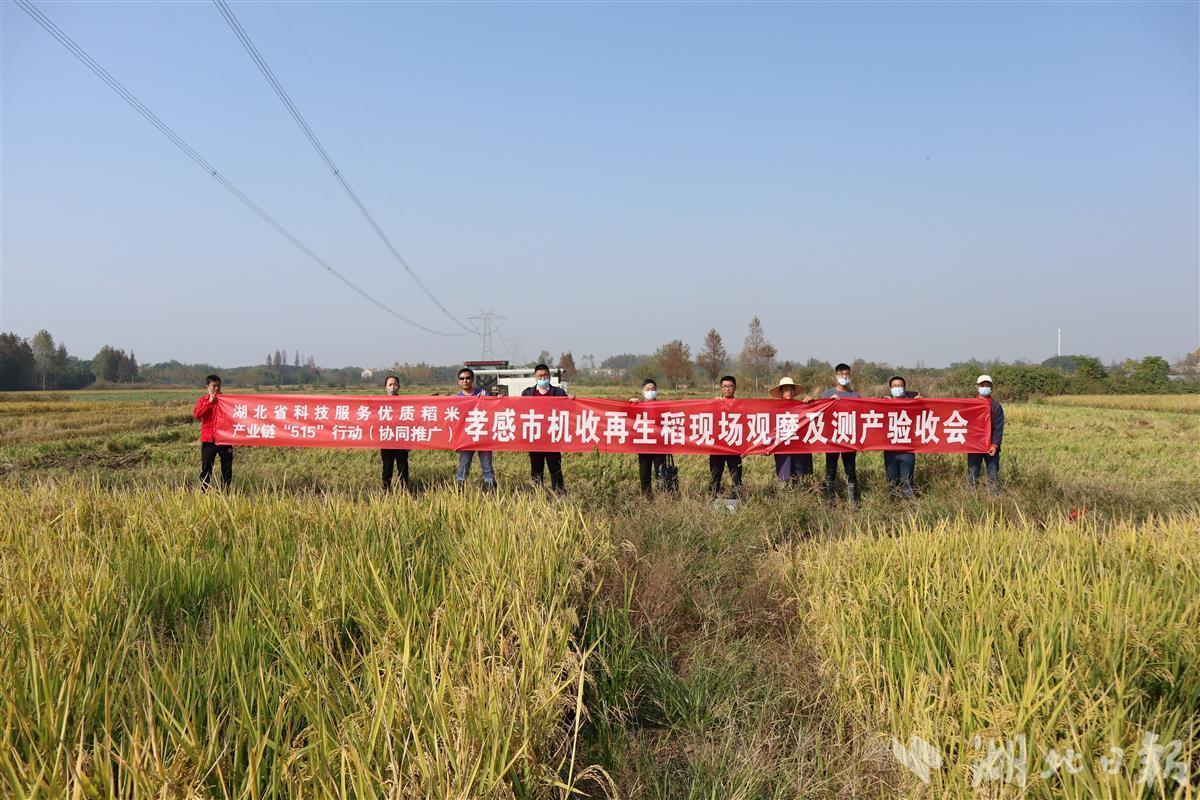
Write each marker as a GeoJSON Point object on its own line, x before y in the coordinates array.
{"type": "Point", "coordinates": [985, 391]}
{"type": "Point", "coordinates": [543, 383]}
{"type": "Point", "coordinates": [393, 390]}
{"type": "Point", "coordinates": [844, 381]}
{"type": "Point", "coordinates": [650, 394]}
{"type": "Point", "coordinates": [897, 391]}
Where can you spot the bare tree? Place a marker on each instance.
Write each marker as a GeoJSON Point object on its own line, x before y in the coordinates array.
{"type": "Point", "coordinates": [757, 354]}
{"type": "Point", "coordinates": [566, 362]}
{"type": "Point", "coordinates": [712, 358]}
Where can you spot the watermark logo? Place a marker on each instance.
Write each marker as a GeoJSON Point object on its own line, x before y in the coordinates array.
{"type": "Point", "coordinates": [918, 756]}
{"type": "Point", "coordinates": [1010, 761]}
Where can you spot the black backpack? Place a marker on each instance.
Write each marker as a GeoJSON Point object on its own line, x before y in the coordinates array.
{"type": "Point", "coordinates": [668, 475]}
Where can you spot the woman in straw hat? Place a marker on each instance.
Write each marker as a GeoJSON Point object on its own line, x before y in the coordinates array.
{"type": "Point", "coordinates": [793, 466]}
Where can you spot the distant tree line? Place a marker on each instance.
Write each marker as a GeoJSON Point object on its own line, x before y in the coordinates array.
{"type": "Point", "coordinates": [42, 363]}
{"type": "Point", "coordinates": [757, 366]}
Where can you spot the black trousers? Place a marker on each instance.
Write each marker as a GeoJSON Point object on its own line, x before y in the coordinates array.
{"type": "Point", "coordinates": [539, 461]}
{"type": "Point", "coordinates": [208, 454]}
{"type": "Point", "coordinates": [849, 461]}
{"type": "Point", "coordinates": [650, 464]}
{"type": "Point", "coordinates": [716, 470]}
{"type": "Point", "coordinates": [394, 460]}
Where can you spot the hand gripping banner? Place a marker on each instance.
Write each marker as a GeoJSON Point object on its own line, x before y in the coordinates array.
{"type": "Point", "coordinates": [560, 424]}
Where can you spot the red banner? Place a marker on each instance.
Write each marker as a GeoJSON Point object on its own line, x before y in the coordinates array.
{"type": "Point", "coordinates": [726, 427]}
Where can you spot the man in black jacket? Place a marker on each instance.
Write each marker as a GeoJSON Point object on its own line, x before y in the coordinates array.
{"type": "Point", "coordinates": [394, 459]}
{"type": "Point", "coordinates": [983, 385]}
{"type": "Point", "coordinates": [539, 461]}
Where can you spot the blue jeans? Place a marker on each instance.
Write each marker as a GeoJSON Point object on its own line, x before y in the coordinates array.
{"type": "Point", "coordinates": [976, 460]}
{"type": "Point", "coordinates": [899, 467]}
{"type": "Point", "coordinates": [485, 464]}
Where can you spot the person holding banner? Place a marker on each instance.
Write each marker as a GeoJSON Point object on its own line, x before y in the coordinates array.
{"type": "Point", "coordinates": [206, 412]}
{"type": "Point", "coordinates": [539, 461]}
{"type": "Point", "coordinates": [718, 463]}
{"type": "Point", "coordinates": [466, 388]}
{"type": "Point", "coordinates": [649, 463]}
{"type": "Point", "coordinates": [841, 388]}
{"type": "Point", "coordinates": [983, 385]}
{"type": "Point", "coordinates": [900, 465]}
{"type": "Point", "coordinates": [792, 467]}
{"type": "Point", "coordinates": [394, 460]}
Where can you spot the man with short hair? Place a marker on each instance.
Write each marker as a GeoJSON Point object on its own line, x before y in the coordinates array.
{"type": "Point", "coordinates": [206, 412]}
{"type": "Point", "coordinates": [393, 457]}
{"type": "Point", "coordinates": [652, 463]}
{"type": "Point", "coordinates": [842, 387]}
{"type": "Point", "coordinates": [466, 388]}
{"type": "Point", "coordinates": [983, 385]}
{"type": "Point", "coordinates": [539, 461]}
{"type": "Point", "coordinates": [718, 463]}
{"type": "Point", "coordinates": [900, 465]}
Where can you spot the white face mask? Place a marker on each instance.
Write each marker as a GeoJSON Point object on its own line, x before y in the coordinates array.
{"type": "Point", "coordinates": [985, 391]}
{"type": "Point", "coordinates": [843, 381]}
{"type": "Point", "coordinates": [393, 390]}
{"type": "Point", "coordinates": [897, 391]}
{"type": "Point", "coordinates": [649, 394]}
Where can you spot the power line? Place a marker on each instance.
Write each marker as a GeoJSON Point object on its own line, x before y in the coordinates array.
{"type": "Point", "coordinates": [258, 119]}
{"type": "Point", "coordinates": [66, 41]}
{"type": "Point", "coordinates": [265, 69]}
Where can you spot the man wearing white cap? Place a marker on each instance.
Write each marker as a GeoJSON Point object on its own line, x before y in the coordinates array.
{"type": "Point", "coordinates": [792, 467]}
{"type": "Point", "coordinates": [983, 385]}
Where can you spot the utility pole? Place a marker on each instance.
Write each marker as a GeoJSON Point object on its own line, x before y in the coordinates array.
{"type": "Point", "coordinates": [1060, 342]}
{"type": "Point", "coordinates": [486, 318]}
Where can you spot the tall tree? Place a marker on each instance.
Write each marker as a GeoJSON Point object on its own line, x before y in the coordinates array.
{"type": "Point", "coordinates": [17, 366]}
{"type": "Point", "coordinates": [675, 362]}
{"type": "Point", "coordinates": [1152, 372]}
{"type": "Point", "coordinates": [566, 362]}
{"type": "Point", "coordinates": [757, 354]}
{"type": "Point", "coordinates": [105, 364]}
{"type": "Point", "coordinates": [711, 360]}
{"type": "Point", "coordinates": [45, 356]}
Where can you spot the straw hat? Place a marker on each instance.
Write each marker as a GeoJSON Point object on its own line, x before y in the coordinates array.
{"type": "Point", "coordinates": [777, 391]}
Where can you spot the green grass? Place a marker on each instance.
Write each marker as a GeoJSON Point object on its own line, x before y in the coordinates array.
{"type": "Point", "coordinates": [305, 636]}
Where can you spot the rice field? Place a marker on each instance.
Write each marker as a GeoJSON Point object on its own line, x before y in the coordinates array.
{"type": "Point", "coordinates": [1180, 403]}
{"type": "Point", "coordinates": [305, 636]}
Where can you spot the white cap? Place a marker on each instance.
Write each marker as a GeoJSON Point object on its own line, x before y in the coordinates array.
{"type": "Point", "coordinates": [984, 379]}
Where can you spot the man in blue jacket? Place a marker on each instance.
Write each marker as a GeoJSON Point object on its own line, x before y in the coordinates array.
{"type": "Point", "coordinates": [983, 385]}
{"type": "Point", "coordinates": [539, 461]}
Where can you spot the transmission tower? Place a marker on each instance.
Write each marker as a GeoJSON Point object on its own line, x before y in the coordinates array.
{"type": "Point", "coordinates": [486, 319]}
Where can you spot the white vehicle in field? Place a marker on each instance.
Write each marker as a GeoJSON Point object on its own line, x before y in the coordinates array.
{"type": "Point", "coordinates": [503, 380]}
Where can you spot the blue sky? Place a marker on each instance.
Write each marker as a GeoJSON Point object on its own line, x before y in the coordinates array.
{"type": "Point", "coordinates": [898, 182]}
